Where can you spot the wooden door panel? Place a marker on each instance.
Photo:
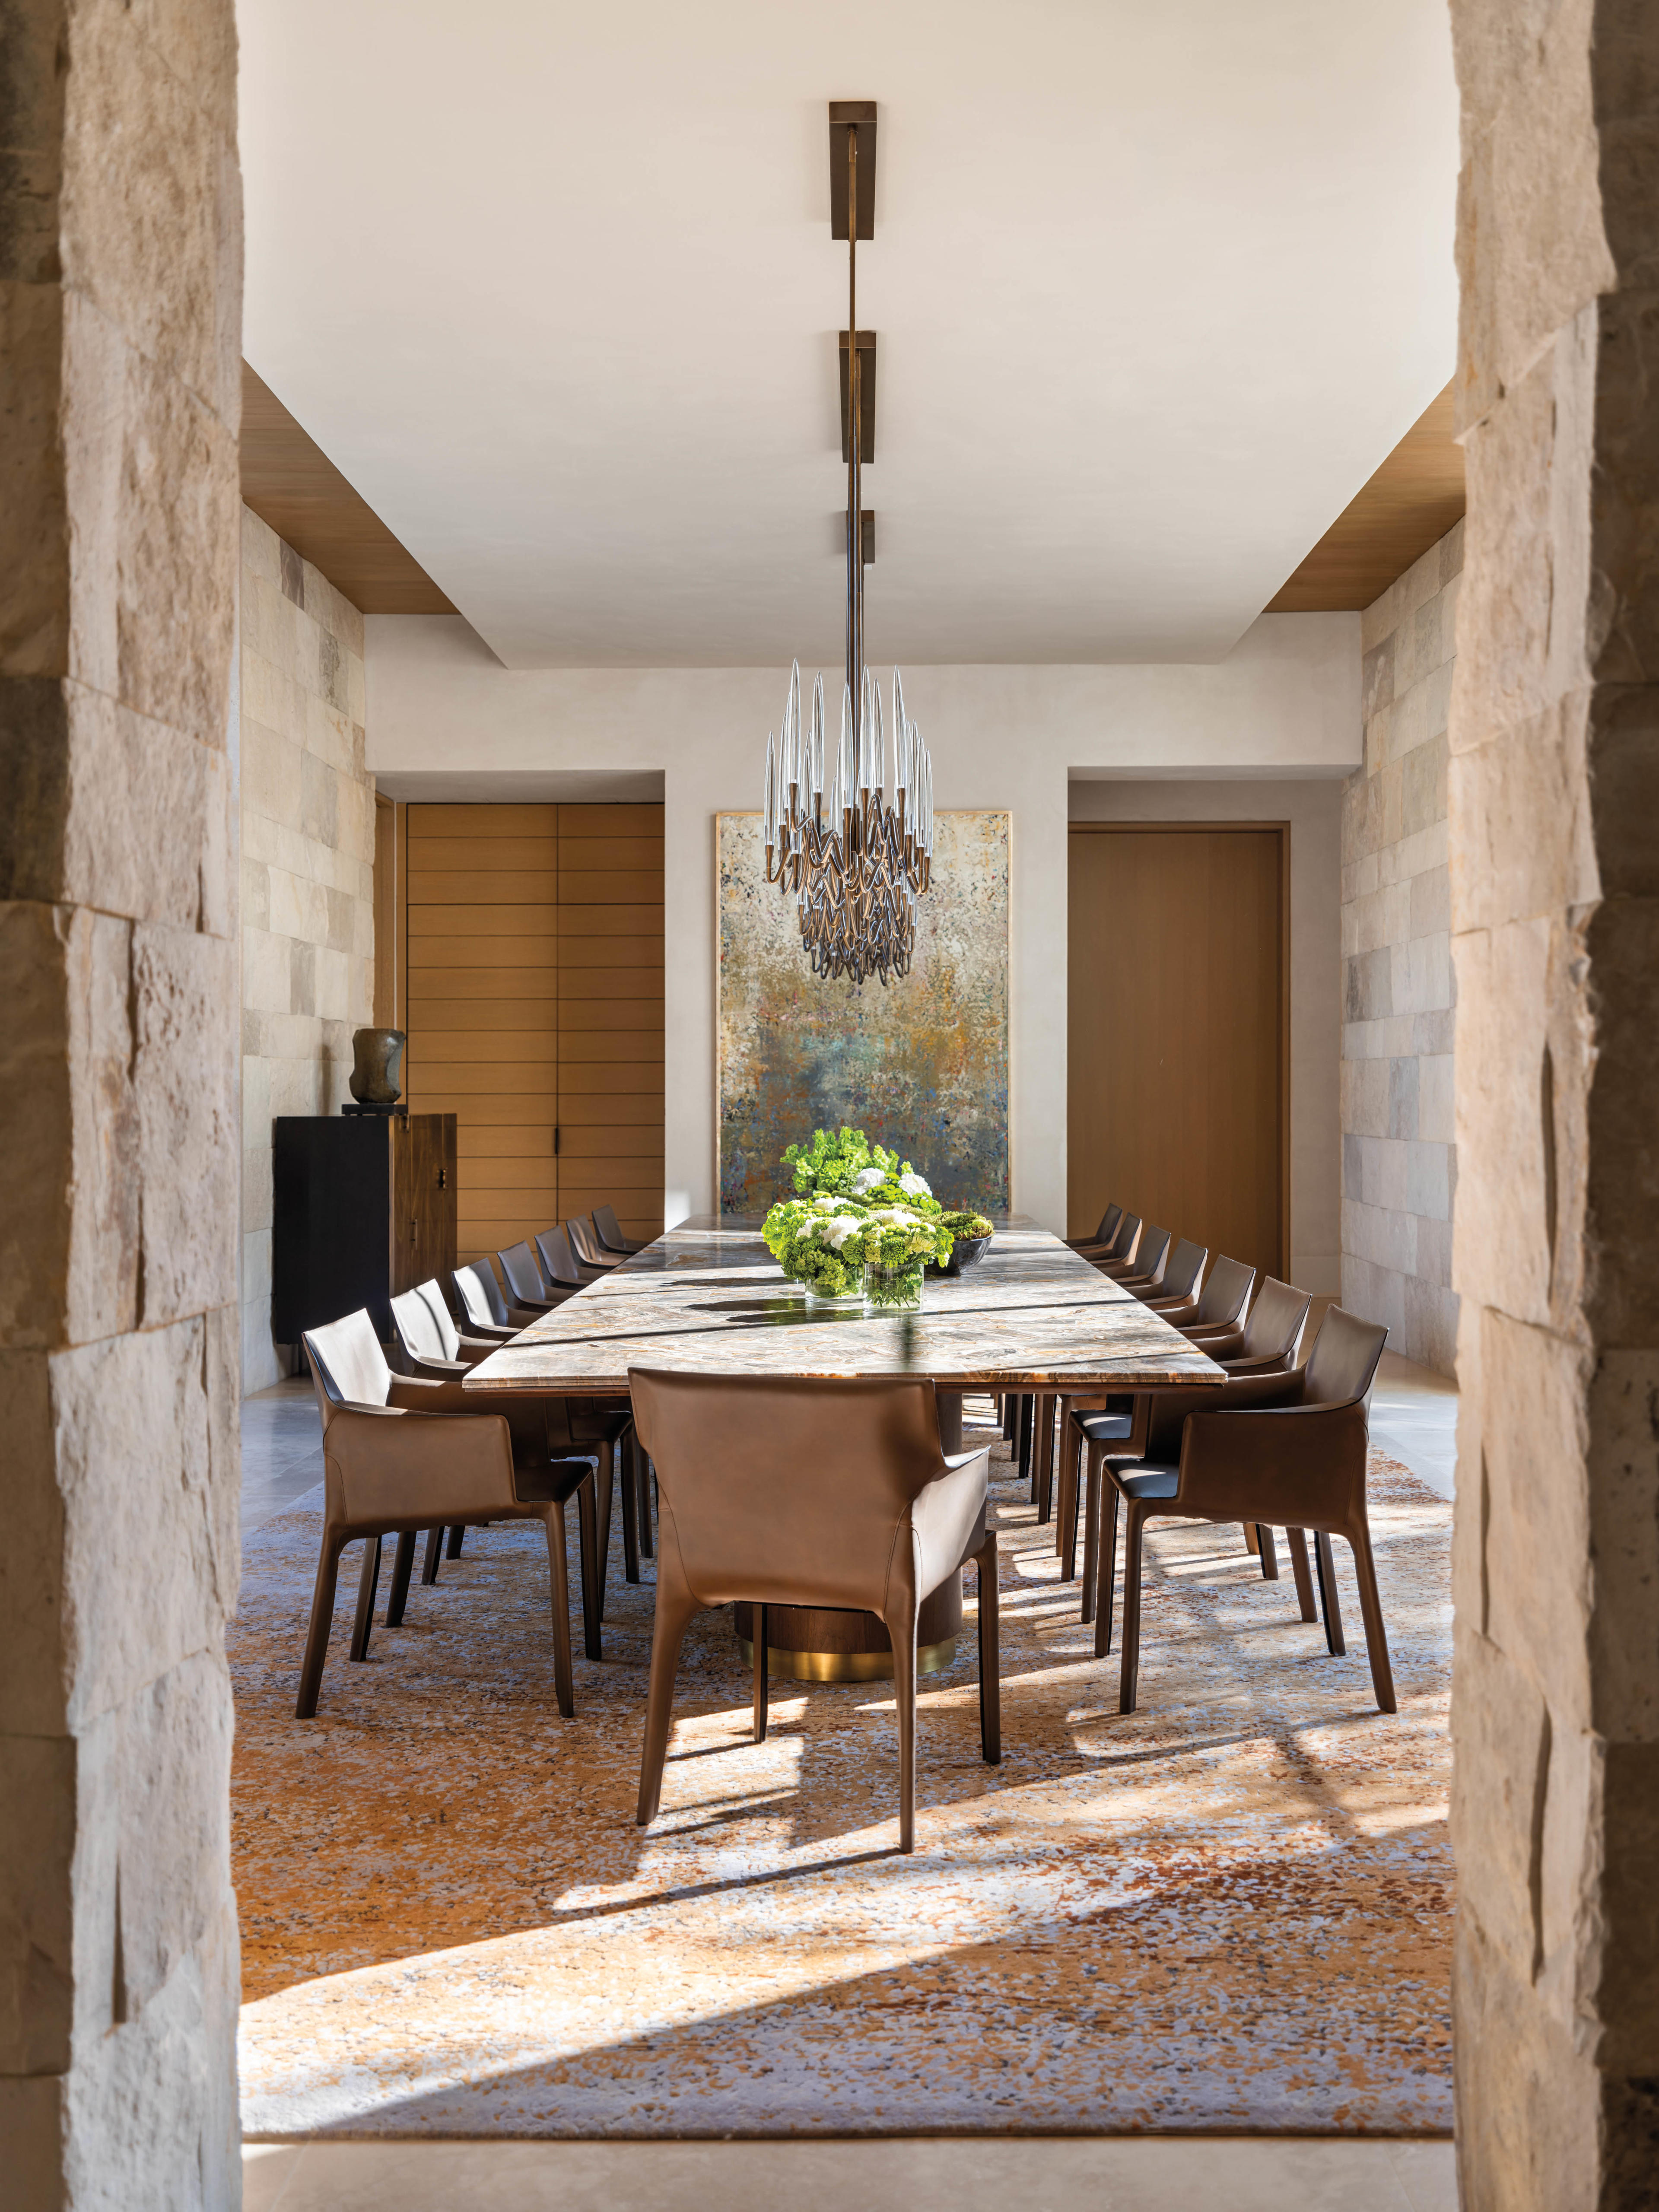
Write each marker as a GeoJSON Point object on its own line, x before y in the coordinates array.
{"type": "Point", "coordinates": [532, 935]}
{"type": "Point", "coordinates": [1175, 1053]}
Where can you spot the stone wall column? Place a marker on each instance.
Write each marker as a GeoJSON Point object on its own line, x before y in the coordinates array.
{"type": "Point", "coordinates": [1554, 841]}
{"type": "Point", "coordinates": [120, 300]}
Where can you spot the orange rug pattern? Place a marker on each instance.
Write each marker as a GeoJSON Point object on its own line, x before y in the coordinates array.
{"type": "Point", "coordinates": [1229, 1911]}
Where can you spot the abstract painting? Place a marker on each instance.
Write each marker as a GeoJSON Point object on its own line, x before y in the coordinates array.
{"type": "Point", "coordinates": [921, 1066]}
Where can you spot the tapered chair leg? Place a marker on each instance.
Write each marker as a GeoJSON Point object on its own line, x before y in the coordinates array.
{"type": "Point", "coordinates": [558, 1575]}
{"type": "Point", "coordinates": [433, 1554]}
{"type": "Point", "coordinates": [757, 1627]}
{"type": "Point", "coordinates": [1371, 1607]}
{"type": "Point", "coordinates": [630, 1517]}
{"type": "Point", "coordinates": [642, 1488]}
{"type": "Point", "coordinates": [1133, 1520]}
{"type": "Point", "coordinates": [986, 1594]}
{"type": "Point", "coordinates": [455, 1536]}
{"type": "Point", "coordinates": [322, 1619]}
{"type": "Point", "coordinates": [592, 1570]}
{"type": "Point", "coordinates": [902, 1631]}
{"type": "Point", "coordinates": [1296, 1543]}
{"type": "Point", "coordinates": [604, 1484]}
{"type": "Point", "coordinates": [403, 1562]}
{"type": "Point", "coordinates": [1106, 1567]}
{"type": "Point", "coordinates": [1023, 1436]}
{"type": "Point", "coordinates": [1043, 1474]}
{"type": "Point", "coordinates": [1269, 1552]}
{"type": "Point", "coordinates": [1093, 1455]}
{"type": "Point", "coordinates": [1252, 1542]}
{"type": "Point", "coordinates": [367, 1586]}
{"type": "Point", "coordinates": [1066, 1506]}
{"type": "Point", "coordinates": [675, 1607]}
{"type": "Point", "coordinates": [1325, 1567]}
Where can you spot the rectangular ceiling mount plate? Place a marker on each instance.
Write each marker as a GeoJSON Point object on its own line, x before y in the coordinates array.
{"type": "Point", "coordinates": [847, 115]}
{"type": "Point", "coordinates": [866, 396]}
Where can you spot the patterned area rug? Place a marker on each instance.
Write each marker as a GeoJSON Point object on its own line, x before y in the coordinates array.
{"type": "Point", "coordinates": [1229, 1911]}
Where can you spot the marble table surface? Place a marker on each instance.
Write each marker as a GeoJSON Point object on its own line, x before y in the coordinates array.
{"type": "Point", "coordinates": [707, 1298]}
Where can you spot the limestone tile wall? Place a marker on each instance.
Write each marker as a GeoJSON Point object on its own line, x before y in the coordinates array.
{"type": "Point", "coordinates": [120, 321]}
{"type": "Point", "coordinates": [1399, 1160]}
{"type": "Point", "coordinates": [307, 878]}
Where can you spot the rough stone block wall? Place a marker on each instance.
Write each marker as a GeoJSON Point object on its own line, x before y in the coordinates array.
{"type": "Point", "coordinates": [120, 311]}
{"type": "Point", "coordinates": [1554, 800]}
{"type": "Point", "coordinates": [1399, 1159]}
{"type": "Point", "coordinates": [307, 878]}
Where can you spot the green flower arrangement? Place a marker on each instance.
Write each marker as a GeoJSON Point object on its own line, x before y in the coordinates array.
{"type": "Point", "coordinates": [967, 1224]}
{"type": "Point", "coordinates": [827, 1242]}
{"type": "Point", "coordinates": [830, 1164]}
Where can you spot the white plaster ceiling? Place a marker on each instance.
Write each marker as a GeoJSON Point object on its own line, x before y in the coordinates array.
{"type": "Point", "coordinates": [1157, 283]}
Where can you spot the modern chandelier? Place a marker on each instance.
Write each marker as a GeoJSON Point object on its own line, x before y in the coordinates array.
{"type": "Point", "coordinates": [857, 856]}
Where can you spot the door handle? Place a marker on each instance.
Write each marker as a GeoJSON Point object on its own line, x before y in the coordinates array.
{"type": "Point", "coordinates": [556, 1140]}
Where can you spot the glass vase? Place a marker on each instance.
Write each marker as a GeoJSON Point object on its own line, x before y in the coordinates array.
{"type": "Point", "coordinates": [892, 1290]}
{"type": "Point", "coordinates": [827, 1299]}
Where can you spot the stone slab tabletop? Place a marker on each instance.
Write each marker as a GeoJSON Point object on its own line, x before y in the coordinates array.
{"type": "Point", "coordinates": [707, 1298]}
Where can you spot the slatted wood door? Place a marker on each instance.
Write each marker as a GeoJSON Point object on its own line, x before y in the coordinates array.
{"type": "Point", "coordinates": [1176, 1085]}
{"type": "Point", "coordinates": [534, 1009]}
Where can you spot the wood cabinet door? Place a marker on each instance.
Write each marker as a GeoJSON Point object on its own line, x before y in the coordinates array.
{"type": "Point", "coordinates": [1176, 1104]}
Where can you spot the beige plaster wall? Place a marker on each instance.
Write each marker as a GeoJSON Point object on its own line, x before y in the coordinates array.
{"type": "Point", "coordinates": [1312, 808]}
{"type": "Point", "coordinates": [120, 319]}
{"type": "Point", "coordinates": [307, 878]}
{"type": "Point", "coordinates": [1399, 1160]}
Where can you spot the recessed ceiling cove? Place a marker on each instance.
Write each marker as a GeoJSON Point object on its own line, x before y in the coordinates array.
{"type": "Point", "coordinates": [1155, 288]}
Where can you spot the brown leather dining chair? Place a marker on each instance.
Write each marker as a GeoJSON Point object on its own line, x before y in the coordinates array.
{"type": "Point", "coordinates": [1271, 1335]}
{"type": "Point", "coordinates": [479, 1304]}
{"type": "Point", "coordinates": [1269, 1343]}
{"type": "Point", "coordinates": [1151, 1259]}
{"type": "Point", "coordinates": [610, 1228]}
{"type": "Point", "coordinates": [1221, 1306]}
{"type": "Point", "coordinates": [1120, 1258]}
{"type": "Point", "coordinates": [522, 1272]}
{"type": "Point", "coordinates": [1297, 1462]}
{"type": "Point", "coordinates": [1176, 1297]}
{"type": "Point", "coordinates": [585, 1243]}
{"type": "Point", "coordinates": [402, 1454]}
{"type": "Point", "coordinates": [1101, 1243]}
{"type": "Point", "coordinates": [563, 1271]}
{"type": "Point", "coordinates": [428, 1338]}
{"type": "Point", "coordinates": [782, 1491]}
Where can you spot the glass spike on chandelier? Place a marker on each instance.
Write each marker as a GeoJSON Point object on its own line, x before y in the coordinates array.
{"type": "Point", "coordinates": [856, 851]}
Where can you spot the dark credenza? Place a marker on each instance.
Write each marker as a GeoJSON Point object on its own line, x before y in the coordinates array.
{"type": "Point", "coordinates": [364, 1206]}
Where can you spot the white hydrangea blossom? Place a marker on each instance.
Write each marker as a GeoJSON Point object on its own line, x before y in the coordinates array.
{"type": "Point", "coordinates": [866, 1179]}
{"type": "Point", "coordinates": [915, 1186]}
{"type": "Point", "coordinates": [835, 1229]}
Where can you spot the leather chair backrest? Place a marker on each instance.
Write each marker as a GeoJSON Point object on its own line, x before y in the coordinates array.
{"type": "Point", "coordinates": [605, 1221]}
{"type": "Point", "coordinates": [1154, 1251]}
{"type": "Point", "coordinates": [422, 1322]}
{"type": "Point", "coordinates": [1343, 1362]}
{"type": "Point", "coordinates": [584, 1238]}
{"type": "Point", "coordinates": [1230, 1284]}
{"type": "Point", "coordinates": [523, 1272]}
{"type": "Point", "coordinates": [480, 1295]}
{"type": "Point", "coordinates": [1186, 1264]}
{"type": "Point", "coordinates": [348, 1366]}
{"type": "Point", "coordinates": [774, 1484]}
{"type": "Point", "coordinates": [1108, 1228]}
{"type": "Point", "coordinates": [1276, 1323]}
{"type": "Point", "coordinates": [558, 1261]}
{"type": "Point", "coordinates": [1128, 1238]}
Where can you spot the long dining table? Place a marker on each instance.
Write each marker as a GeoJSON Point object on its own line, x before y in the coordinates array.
{"type": "Point", "coordinates": [707, 1298]}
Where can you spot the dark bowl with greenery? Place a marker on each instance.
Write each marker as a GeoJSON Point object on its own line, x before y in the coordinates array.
{"type": "Point", "coordinates": [970, 1235]}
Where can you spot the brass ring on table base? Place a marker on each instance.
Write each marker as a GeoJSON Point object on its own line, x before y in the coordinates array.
{"type": "Point", "coordinates": [845, 1666]}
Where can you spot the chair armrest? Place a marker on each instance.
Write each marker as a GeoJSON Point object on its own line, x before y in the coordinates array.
{"type": "Point", "coordinates": [944, 1515]}
{"type": "Point", "coordinates": [394, 1465]}
{"type": "Point", "coordinates": [422, 1370]}
{"type": "Point", "coordinates": [1170, 1408]}
{"type": "Point", "coordinates": [475, 1345]}
{"type": "Point", "coordinates": [435, 1389]}
{"type": "Point", "coordinates": [1295, 1466]}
